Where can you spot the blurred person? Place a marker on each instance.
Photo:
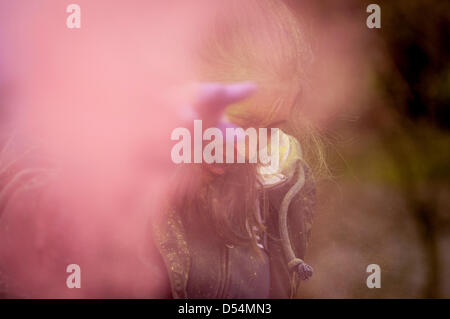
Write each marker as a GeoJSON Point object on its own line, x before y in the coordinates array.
{"type": "Point", "coordinates": [241, 230]}
{"type": "Point", "coordinates": [226, 231]}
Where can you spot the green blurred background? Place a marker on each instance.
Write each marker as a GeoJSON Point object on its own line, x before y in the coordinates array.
{"type": "Point", "coordinates": [387, 200]}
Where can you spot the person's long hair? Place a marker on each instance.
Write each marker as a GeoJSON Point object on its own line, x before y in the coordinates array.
{"type": "Point", "coordinates": [259, 41]}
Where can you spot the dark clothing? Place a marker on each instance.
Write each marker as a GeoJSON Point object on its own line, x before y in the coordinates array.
{"type": "Point", "coordinates": [201, 265]}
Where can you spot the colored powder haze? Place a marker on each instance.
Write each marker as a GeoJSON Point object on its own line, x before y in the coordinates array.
{"type": "Point", "coordinates": [97, 106]}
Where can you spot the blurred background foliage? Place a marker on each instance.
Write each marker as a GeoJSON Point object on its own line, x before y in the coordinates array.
{"type": "Point", "coordinates": [387, 201]}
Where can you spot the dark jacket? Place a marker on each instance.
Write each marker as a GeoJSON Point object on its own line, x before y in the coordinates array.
{"type": "Point", "coordinates": [201, 265]}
